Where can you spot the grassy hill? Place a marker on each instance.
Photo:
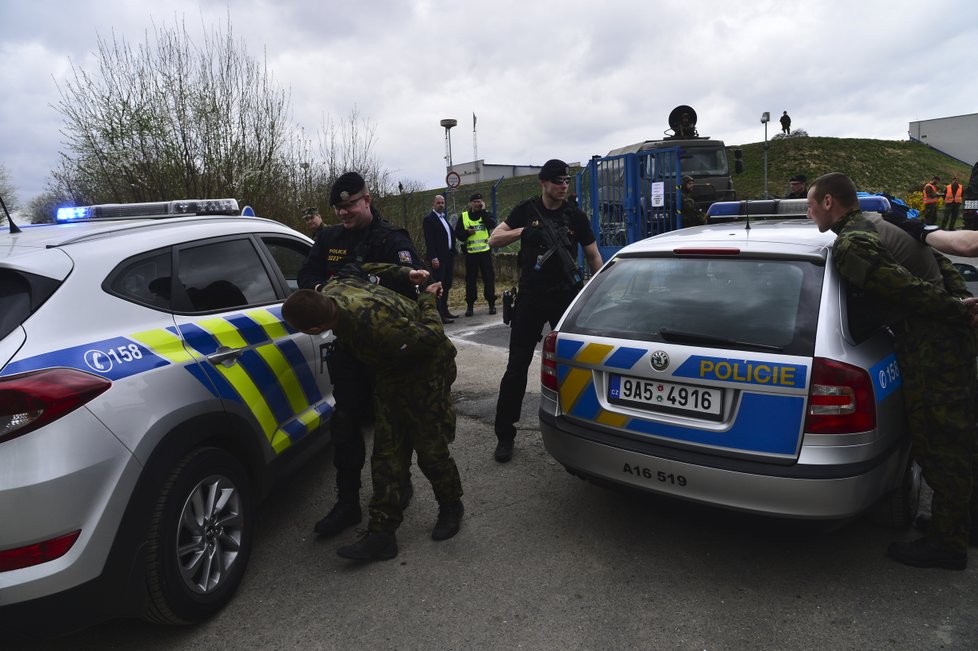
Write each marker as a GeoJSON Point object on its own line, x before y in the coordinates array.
{"type": "Point", "coordinates": [896, 167]}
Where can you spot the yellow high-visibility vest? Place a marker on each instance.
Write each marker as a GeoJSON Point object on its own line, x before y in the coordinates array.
{"type": "Point", "coordinates": [477, 242]}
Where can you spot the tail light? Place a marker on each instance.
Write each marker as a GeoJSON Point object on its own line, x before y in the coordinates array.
{"type": "Point", "coordinates": [42, 552]}
{"type": "Point", "coordinates": [841, 400]}
{"type": "Point", "coordinates": [548, 366]}
{"type": "Point", "coordinates": [32, 400]}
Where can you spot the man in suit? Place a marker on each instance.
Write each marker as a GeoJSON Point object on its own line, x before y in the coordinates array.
{"type": "Point", "coordinates": [439, 243]}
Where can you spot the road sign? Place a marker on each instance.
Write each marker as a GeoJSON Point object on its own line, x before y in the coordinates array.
{"type": "Point", "coordinates": [453, 179]}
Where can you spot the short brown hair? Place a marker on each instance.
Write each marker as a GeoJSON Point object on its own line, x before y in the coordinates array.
{"type": "Point", "coordinates": [840, 186]}
{"type": "Point", "coordinates": [305, 309]}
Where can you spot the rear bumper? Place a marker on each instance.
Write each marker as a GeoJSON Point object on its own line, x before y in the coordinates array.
{"type": "Point", "coordinates": [793, 491]}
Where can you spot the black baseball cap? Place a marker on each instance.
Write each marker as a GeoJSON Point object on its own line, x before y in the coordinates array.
{"type": "Point", "coordinates": [477, 195]}
{"type": "Point", "coordinates": [553, 169]}
{"type": "Point", "coordinates": [798, 178]}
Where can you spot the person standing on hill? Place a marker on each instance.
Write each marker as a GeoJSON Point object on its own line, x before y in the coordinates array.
{"type": "Point", "coordinates": [952, 203]}
{"type": "Point", "coordinates": [785, 123]}
{"type": "Point", "coordinates": [930, 200]}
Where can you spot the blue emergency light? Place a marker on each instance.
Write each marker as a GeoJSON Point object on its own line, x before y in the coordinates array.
{"type": "Point", "coordinates": [785, 207]}
{"type": "Point", "coordinates": [151, 209]}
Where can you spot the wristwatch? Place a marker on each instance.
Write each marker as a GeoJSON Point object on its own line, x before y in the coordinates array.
{"type": "Point", "coordinates": [928, 229]}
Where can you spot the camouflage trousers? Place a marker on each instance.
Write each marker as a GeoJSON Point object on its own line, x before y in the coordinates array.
{"type": "Point", "coordinates": [414, 411]}
{"type": "Point", "coordinates": [937, 362]}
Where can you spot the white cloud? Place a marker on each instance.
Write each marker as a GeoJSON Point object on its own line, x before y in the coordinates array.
{"type": "Point", "coordinates": [567, 79]}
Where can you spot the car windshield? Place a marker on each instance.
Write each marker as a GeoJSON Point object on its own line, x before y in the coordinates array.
{"type": "Point", "coordinates": [729, 302]}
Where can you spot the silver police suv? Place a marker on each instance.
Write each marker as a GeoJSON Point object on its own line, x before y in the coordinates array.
{"type": "Point", "coordinates": [149, 394]}
{"type": "Point", "coordinates": [729, 364]}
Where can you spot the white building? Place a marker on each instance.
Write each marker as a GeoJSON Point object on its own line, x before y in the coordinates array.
{"type": "Point", "coordinates": [479, 171]}
{"type": "Point", "coordinates": [955, 136]}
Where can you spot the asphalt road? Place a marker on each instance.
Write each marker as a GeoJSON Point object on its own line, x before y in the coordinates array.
{"type": "Point", "coordinates": [546, 561]}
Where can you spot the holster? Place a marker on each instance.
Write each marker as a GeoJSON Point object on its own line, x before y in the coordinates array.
{"type": "Point", "coordinates": [509, 305]}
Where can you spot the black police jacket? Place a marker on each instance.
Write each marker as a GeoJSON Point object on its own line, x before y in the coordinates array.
{"type": "Point", "coordinates": [336, 247]}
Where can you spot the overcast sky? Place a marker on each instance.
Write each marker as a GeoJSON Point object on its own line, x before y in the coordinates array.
{"type": "Point", "coordinates": [564, 79]}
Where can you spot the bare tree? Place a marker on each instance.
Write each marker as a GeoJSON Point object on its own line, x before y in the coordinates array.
{"type": "Point", "coordinates": [7, 194]}
{"type": "Point", "coordinates": [170, 119]}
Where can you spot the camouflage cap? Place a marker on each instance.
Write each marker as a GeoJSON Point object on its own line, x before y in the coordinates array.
{"type": "Point", "coordinates": [310, 212]}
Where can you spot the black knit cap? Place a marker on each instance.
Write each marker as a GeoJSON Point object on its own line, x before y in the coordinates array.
{"type": "Point", "coordinates": [553, 169]}
{"type": "Point", "coordinates": [798, 178]}
{"type": "Point", "coordinates": [349, 186]}
{"type": "Point", "coordinates": [477, 195]}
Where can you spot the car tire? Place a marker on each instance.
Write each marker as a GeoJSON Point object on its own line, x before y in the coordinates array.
{"type": "Point", "coordinates": [200, 538]}
{"type": "Point", "coordinates": [898, 508]}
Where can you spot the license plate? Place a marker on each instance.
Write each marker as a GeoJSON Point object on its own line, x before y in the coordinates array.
{"type": "Point", "coordinates": [671, 397]}
{"type": "Point", "coordinates": [971, 204]}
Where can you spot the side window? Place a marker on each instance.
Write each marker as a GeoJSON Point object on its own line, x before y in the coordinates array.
{"type": "Point", "coordinates": [223, 275]}
{"type": "Point", "coordinates": [289, 255]}
{"type": "Point", "coordinates": [146, 280]}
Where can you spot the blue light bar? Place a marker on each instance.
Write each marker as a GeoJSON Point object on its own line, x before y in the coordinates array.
{"type": "Point", "coordinates": [152, 210]}
{"type": "Point", "coordinates": [71, 214]}
{"type": "Point", "coordinates": [767, 207]}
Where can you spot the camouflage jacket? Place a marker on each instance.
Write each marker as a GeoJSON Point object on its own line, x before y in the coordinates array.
{"type": "Point", "coordinates": [391, 334]}
{"type": "Point", "coordinates": [862, 259]}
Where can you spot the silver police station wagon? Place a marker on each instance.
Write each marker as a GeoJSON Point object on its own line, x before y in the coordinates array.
{"type": "Point", "coordinates": [729, 364]}
{"type": "Point", "coordinates": [149, 394]}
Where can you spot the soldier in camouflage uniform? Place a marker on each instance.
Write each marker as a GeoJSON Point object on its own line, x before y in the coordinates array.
{"type": "Point", "coordinates": [403, 344]}
{"type": "Point", "coordinates": [935, 348]}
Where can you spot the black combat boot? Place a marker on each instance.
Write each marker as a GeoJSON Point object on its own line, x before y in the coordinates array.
{"type": "Point", "coordinates": [371, 546]}
{"type": "Point", "coordinates": [492, 308]}
{"type": "Point", "coordinates": [923, 524]}
{"type": "Point", "coordinates": [469, 311]}
{"type": "Point", "coordinates": [928, 552]}
{"type": "Point", "coordinates": [449, 520]}
{"type": "Point", "coordinates": [345, 513]}
{"type": "Point", "coordinates": [504, 450]}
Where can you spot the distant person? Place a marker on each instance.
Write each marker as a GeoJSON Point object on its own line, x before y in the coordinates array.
{"type": "Point", "coordinates": [314, 222]}
{"type": "Point", "coordinates": [549, 230]}
{"type": "Point", "coordinates": [931, 197]}
{"type": "Point", "coordinates": [439, 240]}
{"type": "Point", "coordinates": [785, 123]}
{"type": "Point", "coordinates": [472, 230]}
{"type": "Point", "coordinates": [404, 345]}
{"type": "Point", "coordinates": [953, 194]}
{"type": "Point", "coordinates": [797, 187]}
{"type": "Point", "coordinates": [690, 212]}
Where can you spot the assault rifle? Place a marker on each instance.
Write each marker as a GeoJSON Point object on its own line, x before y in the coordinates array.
{"type": "Point", "coordinates": [558, 242]}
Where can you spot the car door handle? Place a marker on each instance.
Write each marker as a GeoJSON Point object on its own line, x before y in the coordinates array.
{"type": "Point", "coordinates": [226, 356]}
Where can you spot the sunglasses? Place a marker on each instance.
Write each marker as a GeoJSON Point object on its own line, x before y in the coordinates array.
{"type": "Point", "coordinates": [561, 180]}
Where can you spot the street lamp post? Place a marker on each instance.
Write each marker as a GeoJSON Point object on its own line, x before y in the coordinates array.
{"type": "Point", "coordinates": [448, 123]}
{"type": "Point", "coordinates": [765, 118]}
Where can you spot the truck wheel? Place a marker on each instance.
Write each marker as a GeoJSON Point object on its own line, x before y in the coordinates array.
{"type": "Point", "coordinates": [898, 508]}
{"type": "Point", "coordinates": [200, 538]}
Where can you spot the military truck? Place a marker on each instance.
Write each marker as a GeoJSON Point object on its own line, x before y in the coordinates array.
{"type": "Point", "coordinates": [700, 157]}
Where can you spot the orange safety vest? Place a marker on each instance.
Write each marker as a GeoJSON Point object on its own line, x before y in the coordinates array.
{"type": "Point", "coordinates": [933, 199]}
{"type": "Point", "coordinates": [952, 198]}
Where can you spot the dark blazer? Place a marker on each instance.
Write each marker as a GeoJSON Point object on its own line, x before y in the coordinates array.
{"type": "Point", "coordinates": [438, 242]}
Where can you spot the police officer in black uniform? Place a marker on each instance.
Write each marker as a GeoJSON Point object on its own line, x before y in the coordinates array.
{"type": "Point", "coordinates": [361, 236]}
{"type": "Point", "coordinates": [549, 229]}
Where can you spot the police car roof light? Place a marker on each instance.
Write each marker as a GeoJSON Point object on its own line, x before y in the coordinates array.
{"type": "Point", "coordinates": [153, 209]}
{"type": "Point", "coordinates": [785, 207]}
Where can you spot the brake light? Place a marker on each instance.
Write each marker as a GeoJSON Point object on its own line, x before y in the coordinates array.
{"type": "Point", "coordinates": [32, 400]}
{"type": "Point", "coordinates": [42, 552]}
{"type": "Point", "coordinates": [841, 400]}
{"type": "Point", "coordinates": [548, 365]}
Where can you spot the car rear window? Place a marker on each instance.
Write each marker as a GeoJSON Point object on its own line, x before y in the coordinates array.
{"type": "Point", "coordinates": [21, 294]}
{"type": "Point", "coordinates": [728, 302]}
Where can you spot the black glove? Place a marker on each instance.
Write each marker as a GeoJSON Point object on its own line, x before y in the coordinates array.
{"type": "Point", "coordinates": [917, 229]}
